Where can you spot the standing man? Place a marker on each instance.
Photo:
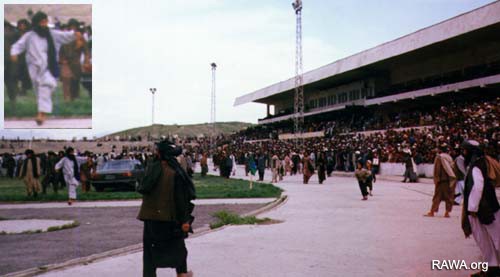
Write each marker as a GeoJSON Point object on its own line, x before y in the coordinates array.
{"type": "Point", "coordinates": [295, 163]}
{"type": "Point", "coordinates": [247, 163]}
{"type": "Point", "coordinates": [275, 165]}
{"type": "Point", "coordinates": [10, 36]}
{"type": "Point", "coordinates": [10, 163]}
{"type": "Point", "coordinates": [288, 167]}
{"type": "Point", "coordinates": [481, 210]}
{"type": "Point", "coordinates": [71, 173]}
{"type": "Point", "coordinates": [308, 168]}
{"type": "Point", "coordinates": [372, 178]}
{"type": "Point", "coordinates": [330, 164]}
{"type": "Point", "coordinates": [30, 173]}
{"type": "Point", "coordinates": [233, 162]}
{"type": "Point", "coordinates": [261, 166]}
{"type": "Point", "coordinates": [51, 176]}
{"type": "Point", "coordinates": [41, 46]}
{"type": "Point", "coordinates": [23, 26]}
{"type": "Point", "coordinates": [166, 212]}
{"type": "Point", "coordinates": [70, 60]}
{"type": "Point", "coordinates": [204, 165]}
{"type": "Point", "coordinates": [86, 170]}
{"type": "Point", "coordinates": [228, 165]}
{"type": "Point", "coordinates": [410, 167]}
{"type": "Point", "coordinates": [444, 181]}
{"type": "Point", "coordinates": [321, 166]}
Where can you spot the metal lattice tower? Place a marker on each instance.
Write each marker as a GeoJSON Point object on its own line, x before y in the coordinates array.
{"type": "Point", "coordinates": [298, 118]}
{"type": "Point", "coordinates": [212, 108]}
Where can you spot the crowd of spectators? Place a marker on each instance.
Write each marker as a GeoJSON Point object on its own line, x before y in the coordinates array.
{"type": "Point", "coordinates": [426, 130]}
{"type": "Point", "coordinates": [345, 140]}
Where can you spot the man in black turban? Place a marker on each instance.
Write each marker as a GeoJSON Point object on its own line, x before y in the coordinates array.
{"type": "Point", "coordinates": [166, 211]}
{"type": "Point", "coordinates": [41, 45]}
{"type": "Point", "coordinates": [481, 209]}
{"type": "Point", "coordinates": [30, 173]}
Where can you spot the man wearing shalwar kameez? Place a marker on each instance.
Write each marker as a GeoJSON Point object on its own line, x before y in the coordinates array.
{"type": "Point", "coordinates": [481, 210]}
{"type": "Point", "coordinates": [41, 46]}
{"type": "Point", "coordinates": [30, 173]}
{"type": "Point", "coordinates": [166, 211]}
{"type": "Point", "coordinates": [275, 166]}
{"type": "Point", "coordinates": [308, 170]}
{"type": "Point", "coordinates": [71, 173]}
{"type": "Point", "coordinates": [444, 181]}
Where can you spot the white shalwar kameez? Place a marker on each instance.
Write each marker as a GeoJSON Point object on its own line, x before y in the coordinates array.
{"type": "Point", "coordinates": [36, 49]}
{"type": "Point", "coordinates": [67, 166]}
{"type": "Point", "coordinates": [487, 236]}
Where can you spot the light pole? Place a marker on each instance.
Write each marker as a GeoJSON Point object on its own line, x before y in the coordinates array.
{"type": "Point", "coordinates": [153, 90]}
{"type": "Point", "coordinates": [212, 108]}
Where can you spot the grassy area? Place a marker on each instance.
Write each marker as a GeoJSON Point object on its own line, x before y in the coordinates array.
{"type": "Point", "coordinates": [225, 218]}
{"type": "Point", "coordinates": [217, 187]}
{"type": "Point", "coordinates": [13, 190]}
{"type": "Point", "coordinates": [65, 226]}
{"type": "Point", "coordinates": [26, 106]}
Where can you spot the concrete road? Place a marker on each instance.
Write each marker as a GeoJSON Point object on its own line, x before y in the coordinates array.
{"type": "Point", "coordinates": [50, 123]}
{"type": "Point", "coordinates": [100, 230]}
{"type": "Point", "coordinates": [327, 231]}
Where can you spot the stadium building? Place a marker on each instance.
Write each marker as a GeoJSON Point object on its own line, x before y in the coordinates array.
{"type": "Point", "coordinates": [455, 60]}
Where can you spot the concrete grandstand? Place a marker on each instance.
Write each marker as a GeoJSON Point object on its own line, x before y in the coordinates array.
{"type": "Point", "coordinates": [457, 59]}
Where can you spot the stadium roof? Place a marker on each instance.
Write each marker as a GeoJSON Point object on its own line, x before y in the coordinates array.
{"type": "Point", "coordinates": [462, 24]}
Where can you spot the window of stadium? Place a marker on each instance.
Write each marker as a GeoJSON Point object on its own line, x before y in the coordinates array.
{"type": "Point", "coordinates": [322, 102]}
{"type": "Point", "coordinates": [332, 100]}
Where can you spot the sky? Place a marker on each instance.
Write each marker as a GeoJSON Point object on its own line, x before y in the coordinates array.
{"type": "Point", "coordinates": [170, 44]}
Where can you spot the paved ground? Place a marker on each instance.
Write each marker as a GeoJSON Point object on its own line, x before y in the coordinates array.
{"type": "Point", "coordinates": [327, 231]}
{"type": "Point", "coordinates": [50, 123]}
{"type": "Point", "coordinates": [100, 230]}
{"type": "Point", "coordinates": [128, 203]}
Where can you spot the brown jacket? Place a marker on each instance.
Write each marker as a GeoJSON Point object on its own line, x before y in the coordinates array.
{"type": "Point", "coordinates": [493, 169]}
{"type": "Point", "coordinates": [443, 170]}
{"type": "Point", "coordinates": [159, 203]}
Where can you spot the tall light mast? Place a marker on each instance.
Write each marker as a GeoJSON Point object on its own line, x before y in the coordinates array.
{"type": "Point", "coordinates": [212, 108]}
{"type": "Point", "coordinates": [298, 118]}
{"type": "Point", "coordinates": [153, 91]}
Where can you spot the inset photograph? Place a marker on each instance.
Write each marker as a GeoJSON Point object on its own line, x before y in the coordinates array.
{"type": "Point", "coordinates": [48, 66]}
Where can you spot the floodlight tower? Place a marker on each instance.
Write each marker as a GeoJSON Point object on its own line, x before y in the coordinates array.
{"type": "Point", "coordinates": [298, 118]}
{"type": "Point", "coordinates": [153, 91]}
{"type": "Point", "coordinates": [212, 109]}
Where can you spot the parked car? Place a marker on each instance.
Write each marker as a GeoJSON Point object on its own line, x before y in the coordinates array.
{"type": "Point", "coordinates": [118, 174]}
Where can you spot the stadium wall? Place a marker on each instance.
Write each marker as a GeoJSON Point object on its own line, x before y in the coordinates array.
{"type": "Point", "coordinates": [423, 170]}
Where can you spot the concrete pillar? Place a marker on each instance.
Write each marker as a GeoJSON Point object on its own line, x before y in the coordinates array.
{"type": "Point", "coordinates": [268, 109]}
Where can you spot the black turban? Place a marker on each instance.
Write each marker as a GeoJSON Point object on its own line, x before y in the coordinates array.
{"type": "Point", "coordinates": [44, 32]}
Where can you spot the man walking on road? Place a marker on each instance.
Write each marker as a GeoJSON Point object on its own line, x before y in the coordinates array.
{"type": "Point", "coordinates": [444, 181]}
{"type": "Point", "coordinates": [166, 211]}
